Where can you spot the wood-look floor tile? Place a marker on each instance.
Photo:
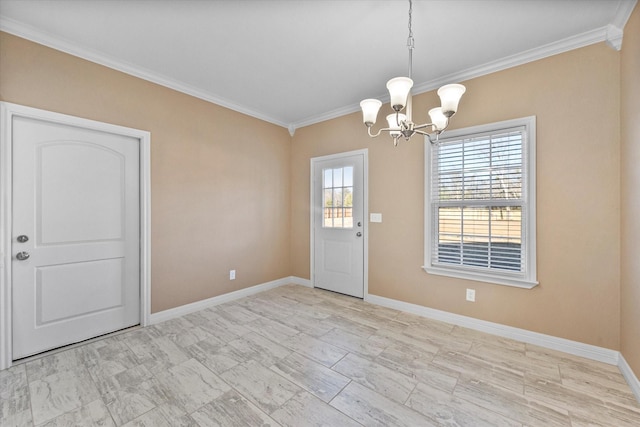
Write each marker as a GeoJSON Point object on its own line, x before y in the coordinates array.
{"type": "Point", "coordinates": [439, 338]}
{"type": "Point", "coordinates": [413, 344]}
{"type": "Point", "coordinates": [159, 354]}
{"type": "Point", "coordinates": [448, 410]}
{"type": "Point", "coordinates": [341, 322]}
{"type": "Point", "coordinates": [479, 369]}
{"type": "Point", "coordinates": [623, 416]}
{"type": "Point", "coordinates": [165, 415]}
{"type": "Point", "coordinates": [256, 347]}
{"type": "Point", "coordinates": [181, 331]}
{"type": "Point", "coordinates": [272, 330]}
{"type": "Point", "coordinates": [603, 384]}
{"type": "Point", "coordinates": [312, 376]}
{"type": "Point", "coordinates": [334, 298]}
{"type": "Point", "coordinates": [18, 419]}
{"type": "Point", "coordinates": [61, 392]}
{"type": "Point", "coordinates": [381, 379]}
{"type": "Point", "coordinates": [306, 410]}
{"type": "Point", "coordinates": [425, 323]}
{"type": "Point", "coordinates": [175, 415]}
{"type": "Point", "coordinates": [304, 298]}
{"type": "Point", "coordinates": [355, 343]}
{"type": "Point", "coordinates": [14, 394]}
{"type": "Point", "coordinates": [307, 323]}
{"type": "Point", "coordinates": [260, 385]}
{"type": "Point", "coordinates": [93, 414]}
{"type": "Point", "coordinates": [231, 410]}
{"type": "Point", "coordinates": [576, 402]}
{"type": "Point", "coordinates": [512, 405]}
{"type": "Point", "coordinates": [300, 356]}
{"type": "Point", "coordinates": [192, 385]}
{"type": "Point", "coordinates": [377, 310]}
{"type": "Point", "coordinates": [502, 352]}
{"type": "Point", "coordinates": [414, 364]}
{"type": "Point", "coordinates": [215, 354]}
{"type": "Point", "coordinates": [105, 362]}
{"type": "Point", "coordinates": [486, 338]}
{"type": "Point", "coordinates": [222, 328]}
{"type": "Point", "coordinates": [320, 351]}
{"type": "Point", "coordinates": [53, 364]}
{"type": "Point", "coordinates": [235, 313]}
{"type": "Point", "coordinates": [268, 308]}
{"type": "Point", "coordinates": [371, 409]}
{"type": "Point", "coordinates": [153, 418]}
{"type": "Point", "coordinates": [130, 394]}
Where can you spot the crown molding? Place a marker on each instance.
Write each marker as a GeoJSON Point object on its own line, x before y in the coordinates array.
{"type": "Point", "coordinates": [611, 34]}
{"type": "Point", "coordinates": [43, 38]}
{"type": "Point", "coordinates": [623, 13]}
{"type": "Point", "coordinates": [581, 40]}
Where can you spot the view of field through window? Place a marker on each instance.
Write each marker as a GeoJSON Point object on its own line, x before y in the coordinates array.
{"type": "Point", "coordinates": [337, 188]}
{"type": "Point", "coordinates": [478, 201]}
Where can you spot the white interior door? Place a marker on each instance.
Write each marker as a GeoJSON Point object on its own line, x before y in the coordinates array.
{"type": "Point", "coordinates": [338, 224]}
{"type": "Point", "coordinates": [75, 234]}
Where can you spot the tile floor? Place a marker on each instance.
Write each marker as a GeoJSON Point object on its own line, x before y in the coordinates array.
{"type": "Point", "coordinates": [295, 356]}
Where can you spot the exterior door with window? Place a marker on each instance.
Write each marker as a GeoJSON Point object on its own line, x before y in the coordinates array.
{"type": "Point", "coordinates": [338, 223]}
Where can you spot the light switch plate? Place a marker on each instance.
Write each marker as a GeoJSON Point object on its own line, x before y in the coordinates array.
{"type": "Point", "coordinates": [375, 217]}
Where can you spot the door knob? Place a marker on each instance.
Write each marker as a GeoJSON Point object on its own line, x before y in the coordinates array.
{"type": "Point", "coordinates": [23, 239]}
{"type": "Point", "coordinates": [358, 234]}
{"type": "Point", "coordinates": [21, 256]}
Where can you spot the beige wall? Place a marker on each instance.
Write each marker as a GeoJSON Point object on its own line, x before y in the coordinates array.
{"type": "Point", "coordinates": [220, 185]}
{"type": "Point", "coordinates": [224, 199]}
{"type": "Point", "coordinates": [630, 178]}
{"type": "Point", "coordinates": [576, 99]}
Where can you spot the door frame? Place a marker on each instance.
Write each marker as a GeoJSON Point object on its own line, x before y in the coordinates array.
{"type": "Point", "coordinates": [7, 112]}
{"type": "Point", "coordinates": [365, 207]}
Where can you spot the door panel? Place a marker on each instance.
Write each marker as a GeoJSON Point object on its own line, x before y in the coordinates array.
{"type": "Point", "coordinates": [76, 198]}
{"type": "Point", "coordinates": [338, 220]}
{"type": "Point", "coordinates": [87, 287]}
{"type": "Point", "coordinates": [82, 203]}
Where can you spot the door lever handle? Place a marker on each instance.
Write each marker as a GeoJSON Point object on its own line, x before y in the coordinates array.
{"type": "Point", "coordinates": [21, 256]}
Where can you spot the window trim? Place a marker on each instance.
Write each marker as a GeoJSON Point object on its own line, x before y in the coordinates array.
{"type": "Point", "coordinates": [527, 279]}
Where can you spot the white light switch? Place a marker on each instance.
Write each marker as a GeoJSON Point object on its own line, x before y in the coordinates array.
{"type": "Point", "coordinates": [375, 217]}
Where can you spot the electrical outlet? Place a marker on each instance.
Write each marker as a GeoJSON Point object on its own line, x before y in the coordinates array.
{"type": "Point", "coordinates": [232, 275]}
{"type": "Point", "coordinates": [471, 295]}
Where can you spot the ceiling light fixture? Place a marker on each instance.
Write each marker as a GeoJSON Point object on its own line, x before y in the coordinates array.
{"type": "Point", "coordinates": [401, 125]}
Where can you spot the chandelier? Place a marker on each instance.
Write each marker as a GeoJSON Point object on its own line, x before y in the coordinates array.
{"type": "Point", "coordinates": [401, 124]}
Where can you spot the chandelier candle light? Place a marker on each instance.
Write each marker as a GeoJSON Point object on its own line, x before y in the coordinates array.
{"type": "Point", "coordinates": [401, 125]}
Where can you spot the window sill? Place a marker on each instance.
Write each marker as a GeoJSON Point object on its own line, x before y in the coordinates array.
{"type": "Point", "coordinates": [472, 275]}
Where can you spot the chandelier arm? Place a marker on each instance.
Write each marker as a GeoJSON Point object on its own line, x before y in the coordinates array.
{"type": "Point", "coordinates": [416, 127]}
{"type": "Point", "coordinates": [429, 136]}
{"type": "Point", "coordinates": [379, 132]}
{"type": "Point", "coordinates": [421, 132]}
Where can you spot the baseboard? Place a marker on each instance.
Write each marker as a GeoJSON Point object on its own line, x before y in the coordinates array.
{"type": "Point", "coordinates": [171, 313]}
{"type": "Point", "coordinates": [560, 344]}
{"type": "Point", "coordinates": [300, 281]}
{"type": "Point", "coordinates": [630, 376]}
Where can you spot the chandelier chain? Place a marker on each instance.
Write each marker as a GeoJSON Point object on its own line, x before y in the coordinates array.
{"type": "Point", "coordinates": [410, 40]}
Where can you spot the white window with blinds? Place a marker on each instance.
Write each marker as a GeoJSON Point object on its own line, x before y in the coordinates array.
{"type": "Point", "coordinates": [480, 211]}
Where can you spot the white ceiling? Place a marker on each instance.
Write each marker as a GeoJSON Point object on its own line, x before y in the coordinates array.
{"type": "Point", "coordinates": [294, 63]}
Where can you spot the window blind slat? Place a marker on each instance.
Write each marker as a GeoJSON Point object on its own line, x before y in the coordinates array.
{"type": "Point", "coordinates": [477, 201]}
